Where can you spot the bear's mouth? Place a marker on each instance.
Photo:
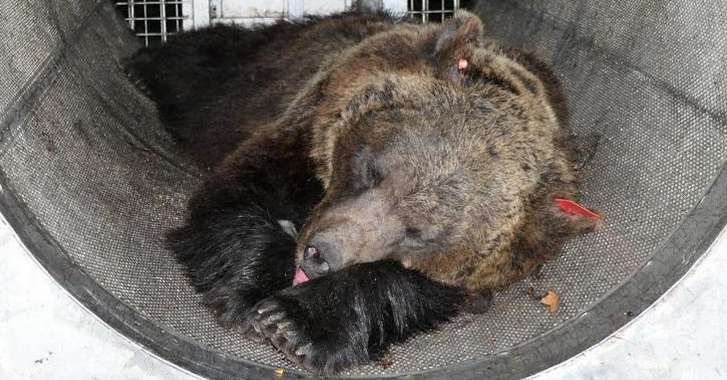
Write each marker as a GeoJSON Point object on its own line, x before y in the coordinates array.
{"type": "Point", "coordinates": [300, 277]}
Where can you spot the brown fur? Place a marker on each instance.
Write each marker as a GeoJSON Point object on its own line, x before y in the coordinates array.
{"type": "Point", "coordinates": [367, 137]}
{"type": "Point", "coordinates": [505, 152]}
{"type": "Point", "coordinates": [518, 228]}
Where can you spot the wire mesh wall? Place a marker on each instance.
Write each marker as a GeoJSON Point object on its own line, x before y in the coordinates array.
{"type": "Point", "coordinates": [154, 20]}
{"type": "Point", "coordinates": [432, 10]}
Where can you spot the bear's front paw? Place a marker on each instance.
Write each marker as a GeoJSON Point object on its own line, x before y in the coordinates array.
{"type": "Point", "coordinates": [270, 320]}
{"type": "Point", "coordinates": [235, 257]}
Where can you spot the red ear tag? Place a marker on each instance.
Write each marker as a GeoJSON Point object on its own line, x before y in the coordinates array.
{"type": "Point", "coordinates": [462, 65]}
{"type": "Point", "coordinates": [573, 208]}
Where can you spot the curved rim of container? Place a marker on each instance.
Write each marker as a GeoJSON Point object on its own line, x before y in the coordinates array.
{"type": "Point", "coordinates": [672, 259]}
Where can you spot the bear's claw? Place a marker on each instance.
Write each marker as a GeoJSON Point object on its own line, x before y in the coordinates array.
{"type": "Point", "coordinates": [268, 320]}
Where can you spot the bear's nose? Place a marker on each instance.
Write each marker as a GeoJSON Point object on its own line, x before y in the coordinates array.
{"type": "Point", "coordinates": [311, 252]}
{"type": "Point", "coordinates": [314, 263]}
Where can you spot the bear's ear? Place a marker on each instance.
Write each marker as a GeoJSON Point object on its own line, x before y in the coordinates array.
{"type": "Point", "coordinates": [458, 36]}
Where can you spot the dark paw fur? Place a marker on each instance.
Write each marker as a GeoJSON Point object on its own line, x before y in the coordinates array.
{"type": "Point", "coordinates": [352, 316]}
{"type": "Point", "coordinates": [235, 258]}
{"type": "Point", "coordinates": [269, 320]}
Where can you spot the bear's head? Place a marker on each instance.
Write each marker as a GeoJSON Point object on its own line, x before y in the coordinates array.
{"type": "Point", "coordinates": [418, 155]}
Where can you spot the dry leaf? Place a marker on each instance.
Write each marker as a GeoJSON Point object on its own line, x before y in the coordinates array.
{"type": "Point", "coordinates": [551, 300]}
{"type": "Point", "coordinates": [279, 372]}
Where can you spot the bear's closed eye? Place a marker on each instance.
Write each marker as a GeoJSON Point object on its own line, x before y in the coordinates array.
{"type": "Point", "coordinates": [366, 173]}
{"type": "Point", "coordinates": [413, 238]}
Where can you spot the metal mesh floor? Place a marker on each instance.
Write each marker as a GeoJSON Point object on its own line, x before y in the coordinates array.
{"type": "Point", "coordinates": [90, 171]}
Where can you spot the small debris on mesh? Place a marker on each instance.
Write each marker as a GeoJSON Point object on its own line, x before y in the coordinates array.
{"type": "Point", "coordinates": [279, 372]}
{"type": "Point", "coordinates": [551, 300]}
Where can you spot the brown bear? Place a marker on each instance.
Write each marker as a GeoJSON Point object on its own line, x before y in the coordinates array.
{"type": "Point", "coordinates": [422, 165]}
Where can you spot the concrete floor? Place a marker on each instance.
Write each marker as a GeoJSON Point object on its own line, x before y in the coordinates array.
{"type": "Point", "coordinates": [683, 335]}
{"type": "Point", "coordinates": [46, 334]}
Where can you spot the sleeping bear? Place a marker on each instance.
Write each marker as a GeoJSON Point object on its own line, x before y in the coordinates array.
{"type": "Point", "coordinates": [394, 173]}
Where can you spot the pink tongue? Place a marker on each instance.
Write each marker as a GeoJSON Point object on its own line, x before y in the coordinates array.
{"type": "Point", "coordinates": [300, 277]}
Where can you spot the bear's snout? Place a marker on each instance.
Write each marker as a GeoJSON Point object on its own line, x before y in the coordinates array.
{"type": "Point", "coordinates": [358, 230]}
{"type": "Point", "coordinates": [319, 258]}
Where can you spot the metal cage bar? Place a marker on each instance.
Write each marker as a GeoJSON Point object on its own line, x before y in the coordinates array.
{"type": "Point", "coordinates": [153, 21]}
{"type": "Point", "coordinates": [431, 10]}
